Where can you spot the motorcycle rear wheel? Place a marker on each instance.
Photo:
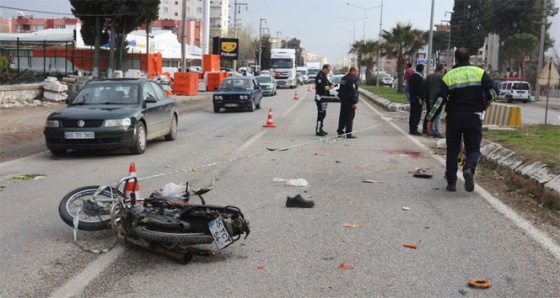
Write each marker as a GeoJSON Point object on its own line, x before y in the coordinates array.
{"type": "Point", "coordinates": [92, 216]}
{"type": "Point", "coordinates": [178, 238]}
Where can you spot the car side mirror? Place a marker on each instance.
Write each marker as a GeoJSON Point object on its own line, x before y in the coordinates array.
{"type": "Point", "coordinates": [150, 99]}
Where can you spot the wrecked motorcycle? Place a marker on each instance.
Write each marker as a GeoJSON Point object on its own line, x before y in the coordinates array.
{"type": "Point", "coordinates": [169, 225]}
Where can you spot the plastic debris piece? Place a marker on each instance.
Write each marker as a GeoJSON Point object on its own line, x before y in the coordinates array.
{"type": "Point", "coordinates": [406, 208]}
{"type": "Point", "coordinates": [410, 245]}
{"type": "Point", "coordinates": [260, 267]}
{"type": "Point", "coordinates": [422, 175]}
{"type": "Point", "coordinates": [361, 167]}
{"type": "Point", "coordinates": [28, 249]}
{"type": "Point", "coordinates": [277, 149]}
{"type": "Point", "coordinates": [371, 181]}
{"type": "Point", "coordinates": [328, 214]}
{"type": "Point", "coordinates": [350, 225]}
{"type": "Point", "coordinates": [345, 267]}
{"type": "Point", "coordinates": [167, 166]}
{"type": "Point", "coordinates": [300, 182]}
{"type": "Point", "coordinates": [463, 292]}
{"type": "Point", "coordinates": [57, 239]}
{"type": "Point", "coordinates": [194, 169]}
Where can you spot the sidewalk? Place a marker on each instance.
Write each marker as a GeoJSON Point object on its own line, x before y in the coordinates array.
{"type": "Point", "coordinates": [492, 152]}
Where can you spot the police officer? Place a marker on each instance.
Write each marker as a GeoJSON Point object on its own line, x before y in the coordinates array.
{"type": "Point", "coordinates": [466, 91]}
{"type": "Point", "coordinates": [322, 87]}
{"type": "Point", "coordinates": [348, 93]}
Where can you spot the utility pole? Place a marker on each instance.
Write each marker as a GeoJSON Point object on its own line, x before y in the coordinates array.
{"type": "Point", "coordinates": [183, 36]}
{"type": "Point", "coordinates": [235, 26]}
{"type": "Point", "coordinates": [260, 42]}
{"type": "Point", "coordinates": [450, 53]}
{"type": "Point", "coordinates": [430, 39]}
{"type": "Point", "coordinates": [379, 45]}
{"type": "Point", "coordinates": [541, 49]}
{"type": "Point", "coordinates": [278, 39]}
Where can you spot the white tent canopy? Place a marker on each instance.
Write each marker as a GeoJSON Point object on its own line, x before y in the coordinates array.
{"type": "Point", "coordinates": [163, 41]}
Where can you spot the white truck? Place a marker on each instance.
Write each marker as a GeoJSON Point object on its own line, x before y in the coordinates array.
{"type": "Point", "coordinates": [304, 73]}
{"type": "Point", "coordinates": [313, 68]}
{"type": "Point", "coordinates": [283, 64]}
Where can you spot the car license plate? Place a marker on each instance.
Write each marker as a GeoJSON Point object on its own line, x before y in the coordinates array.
{"type": "Point", "coordinates": [231, 105]}
{"type": "Point", "coordinates": [219, 232]}
{"type": "Point", "coordinates": [79, 135]}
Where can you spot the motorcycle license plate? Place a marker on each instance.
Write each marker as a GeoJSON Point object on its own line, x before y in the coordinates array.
{"type": "Point", "coordinates": [219, 232]}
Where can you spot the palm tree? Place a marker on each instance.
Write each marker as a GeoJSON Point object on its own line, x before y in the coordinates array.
{"type": "Point", "coordinates": [400, 42]}
{"type": "Point", "coordinates": [366, 52]}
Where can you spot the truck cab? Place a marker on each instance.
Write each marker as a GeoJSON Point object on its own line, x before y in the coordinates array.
{"type": "Point", "coordinates": [283, 64]}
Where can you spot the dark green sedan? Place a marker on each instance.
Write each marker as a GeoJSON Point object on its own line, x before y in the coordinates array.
{"type": "Point", "coordinates": [113, 114]}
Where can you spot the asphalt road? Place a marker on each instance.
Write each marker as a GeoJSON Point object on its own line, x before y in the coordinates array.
{"type": "Point", "coordinates": [459, 236]}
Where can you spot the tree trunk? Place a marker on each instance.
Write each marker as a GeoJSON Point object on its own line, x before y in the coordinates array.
{"type": "Point", "coordinates": [111, 50]}
{"type": "Point", "coordinates": [400, 73]}
{"type": "Point", "coordinates": [97, 41]}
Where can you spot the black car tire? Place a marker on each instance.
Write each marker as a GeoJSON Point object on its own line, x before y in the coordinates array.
{"type": "Point", "coordinates": [509, 99]}
{"type": "Point", "coordinates": [172, 135]}
{"type": "Point", "coordinates": [258, 106]}
{"type": "Point", "coordinates": [252, 106]}
{"type": "Point", "coordinates": [58, 152]}
{"type": "Point", "coordinates": [140, 141]}
{"type": "Point", "coordinates": [216, 109]}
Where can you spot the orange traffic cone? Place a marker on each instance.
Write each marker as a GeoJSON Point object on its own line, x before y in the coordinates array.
{"type": "Point", "coordinates": [129, 185]}
{"type": "Point", "coordinates": [270, 121]}
{"type": "Point", "coordinates": [308, 88]}
{"type": "Point", "coordinates": [295, 96]}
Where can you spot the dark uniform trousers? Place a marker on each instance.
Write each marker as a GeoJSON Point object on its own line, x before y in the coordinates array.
{"type": "Point", "coordinates": [321, 113]}
{"type": "Point", "coordinates": [415, 114]}
{"type": "Point", "coordinates": [468, 126]}
{"type": "Point", "coordinates": [346, 118]}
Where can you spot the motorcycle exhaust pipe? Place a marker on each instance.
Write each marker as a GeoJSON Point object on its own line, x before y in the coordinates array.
{"type": "Point", "coordinates": [180, 256]}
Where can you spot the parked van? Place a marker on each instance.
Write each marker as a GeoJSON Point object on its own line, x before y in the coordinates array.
{"type": "Point", "coordinates": [514, 90]}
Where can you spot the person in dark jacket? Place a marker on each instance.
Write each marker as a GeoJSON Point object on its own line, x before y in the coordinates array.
{"type": "Point", "coordinates": [348, 93]}
{"type": "Point", "coordinates": [322, 88]}
{"type": "Point", "coordinates": [433, 84]}
{"type": "Point", "coordinates": [466, 91]}
{"type": "Point", "coordinates": [417, 96]}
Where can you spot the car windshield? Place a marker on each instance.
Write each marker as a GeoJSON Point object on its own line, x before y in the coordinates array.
{"type": "Point", "coordinates": [264, 79]}
{"type": "Point", "coordinates": [521, 86]}
{"type": "Point", "coordinates": [102, 94]}
{"type": "Point", "coordinates": [235, 84]}
{"type": "Point", "coordinates": [336, 79]}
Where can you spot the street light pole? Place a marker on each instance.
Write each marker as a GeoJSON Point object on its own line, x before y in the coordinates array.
{"type": "Point", "coordinates": [277, 38]}
{"type": "Point", "coordinates": [354, 41]}
{"type": "Point", "coordinates": [365, 11]}
{"type": "Point", "coordinates": [379, 46]}
{"type": "Point", "coordinates": [260, 42]}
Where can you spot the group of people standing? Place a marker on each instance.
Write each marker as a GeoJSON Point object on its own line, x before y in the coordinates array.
{"type": "Point", "coordinates": [466, 91]}
{"type": "Point", "coordinates": [348, 94]}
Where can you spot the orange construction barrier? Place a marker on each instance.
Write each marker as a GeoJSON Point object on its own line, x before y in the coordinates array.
{"type": "Point", "coordinates": [269, 121]}
{"type": "Point", "coordinates": [129, 185]}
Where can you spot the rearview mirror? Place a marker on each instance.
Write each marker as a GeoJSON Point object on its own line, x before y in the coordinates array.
{"type": "Point", "coordinates": [150, 99]}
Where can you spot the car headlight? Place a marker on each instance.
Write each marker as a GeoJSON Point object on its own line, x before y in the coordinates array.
{"type": "Point", "coordinates": [243, 97]}
{"type": "Point", "coordinates": [117, 122]}
{"type": "Point", "coordinates": [52, 123]}
{"type": "Point", "coordinates": [218, 97]}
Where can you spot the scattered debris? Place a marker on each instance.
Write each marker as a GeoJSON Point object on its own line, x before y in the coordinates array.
{"type": "Point", "coordinates": [361, 167]}
{"type": "Point", "coordinates": [27, 177]}
{"type": "Point", "coordinates": [371, 181]}
{"type": "Point", "coordinates": [463, 292]}
{"type": "Point", "coordinates": [410, 245]}
{"type": "Point", "coordinates": [350, 225]}
{"type": "Point", "coordinates": [299, 182]}
{"type": "Point", "coordinates": [260, 267]}
{"type": "Point", "coordinates": [279, 149]}
{"type": "Point", "coordinates": [421, 173]}
{"type": "Point", "coordinates": [479, 283]}
{"type": "Point", "coordinates": [345, 267]}
{"type": "Point", "coordinates": [406, 208]}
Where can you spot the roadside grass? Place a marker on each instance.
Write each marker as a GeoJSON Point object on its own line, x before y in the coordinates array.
{"type": "Point", "coordinates": [386, 92]}
{"type": "Point", "coordinates": [535, 142]}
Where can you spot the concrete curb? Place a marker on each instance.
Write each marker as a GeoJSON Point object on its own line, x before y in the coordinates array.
{"type": "Point", "coordinates": [493, 152]}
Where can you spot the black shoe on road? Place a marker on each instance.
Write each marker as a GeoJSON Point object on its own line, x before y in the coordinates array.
{"type": "Point", "coordinates": [469, 181]}
{"type": "Point", "coordinates": [299, 202]}
{"type": "Point", "coordinates": [320, 134]}
{"type": "Point", "coordinates": [350, 137]}
{"type": "Point", "coordinates": [326, 133]}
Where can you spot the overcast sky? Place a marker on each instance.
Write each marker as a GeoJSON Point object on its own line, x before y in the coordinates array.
{"type": "Point", "coordinates": [325, 27]}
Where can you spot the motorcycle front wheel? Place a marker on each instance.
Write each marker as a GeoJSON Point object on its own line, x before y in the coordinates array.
{"type": "Point", "coordinates": [92, 216]}
{"type": "Point", "coordinates": [169, 237]}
